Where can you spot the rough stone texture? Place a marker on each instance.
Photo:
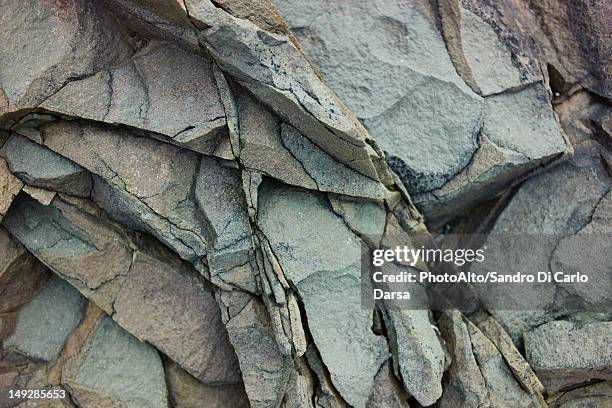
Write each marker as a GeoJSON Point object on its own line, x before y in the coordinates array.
{"type": "Point", "coordinates": [40, 167]}
{"type": "Point", "coordinates": [419, 353]}
{"type": "Point", "coordinates": [265, 370]}
{"type": "Point", "coordinates": [328, 283]}
{"type": "Point", "coordinates": [466, 386]}
{"type": "Point", "coordinates": [116, 369]}
{"type": "Point", "coordinates": [190, 169]}
{"type": "Point", "coordinates": [389, 63]}
{"type": "Point", "coordinates": [386, 392]}
{"type": "Point", "coordinates": [219, 196]}
{"type": "Point", "coordinates": [275, 70]}
{"type": "Point", "coordinates": [180, 102]}
{"type": "Point", "coordinates": [21, 275]}
{"type": "Point", "coordinates": [564, 353]}
{"type": "Point", "coordinates": [153, 195]}
{"type": "Point", "coordinates": [44, 324]}
{"type": "Point", "coordinates": [106, 265]}
{"type": "Point", "coordinates": [10, 186]}
{"type": "Point", "coordinates": [80, 39]}
{"type": "Point", "coordinates": [187, 392]}
{"type": "Point", "coordinates": [502, 388]}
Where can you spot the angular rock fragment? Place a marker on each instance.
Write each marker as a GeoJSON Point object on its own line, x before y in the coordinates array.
{"type": "Point", "coordinates": [328, 284]}
{"type": "Point", "coordinates": [43, 325]}
{"type": "Point", "coordinates": [220, 198]}
{"type": "Point", "coordinates": [143, 183]}
{"type": "Point", "coordinates": [40, 167]}
{"type": "Point", "coordinates": [579, 186]}
{"type": "Point", "coordinates": [418, 353]}
{"type": "Point", "coordinates": [367, 218]}
{"type": "Point", "coordinates": [106, 264]}
{"type": "Point", "coordinates": [386, 392]}
{"type": "Point", "coordinates": [187, 392]}
{"type": "Point", "coordinates": [63, 41]}
{"type": "Point", "coordinates": [10, 186]}
{"type": "Point", "coordinates": [517, 363]}
{"type": "Point", "coordinates": [21, 275]}
{"type": "Point", "coordinates": [155, 93]}
{"type": "Point", "coordinates": [271, 67]}
{"type": "Point", "coordinates": [389, 62]}
{"type": "Point", "coordinates": [465, 386]}
{"type": "Point", "coordinates": [265, 370]}
{"type": "Point", "coordinates": [327, 173]}
{"type": "Point", "coordinates": [113, 368]}
{"type": "Point", "coordinates": [484, 50]}
{"type": "Point", "coordinates": [564, 353]}
{"type": "Point", "coordinates": [502, 388]}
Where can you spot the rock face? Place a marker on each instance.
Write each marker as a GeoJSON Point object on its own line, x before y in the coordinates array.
{"type": "Point", "coordinates": [564, 353]}
{"type": "Point", "coordinates": [389, 62]}
{"type": "Point", "coordinates": [190, 192]}
{"type": "Point", "coordinates": [43, 325]}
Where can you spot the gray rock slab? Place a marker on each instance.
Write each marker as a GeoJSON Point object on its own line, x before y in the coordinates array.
{"type": "Point", "coordinates": [328, 281]}
{"type": "Point", "coordinates": [164, 90]}
{"type": "Point", "coordinates": [265, 370]}
{"type": "Point", "coordinates": [220, 198]}
{"type": "Point", "coordinates": [44, 324]}
{"type": "Point", "coordinates": [563, 353]}
{"type": "Point", "coordinates": [40, 167]}
{"type": "Point", "coordinates": [120, 367]}
{"type": "Point", "coordinates": [37, 61]}
{"type": "Point", "coordinates": [390, 63]}
{"type": "Point", "coordinates": [143, 183]}
{"type": "Point", "coordinates": [419, 353]}
{"type": "Point", "coordinates": [148, 290]}
{"type": "Point", "coordinates": [271, 67]}
{"type": "Point", "coordinates": [327, 173]}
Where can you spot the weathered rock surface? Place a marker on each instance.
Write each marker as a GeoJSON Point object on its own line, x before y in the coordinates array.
{"type": "Point", "coordinates": [328, 284]}
{"type": "Point", "coordinates": [271, 67]}
{"type": "Point", "coordinates": [188, 167]}
{"type": "Point", "coordinates": [466, 386]}
{"type": "Point", "coordinates": [564, 353]}
{"type": "Point", "coordinates": [40, 167]}
{"type": "Point", "coordinates": [21, 275]}
{"type": "Point", "coordinates": [389, 63]}
{"type": "Point", "coordinates": [184, 106]}
{"type": "Point", "coordinates": [46, 46]}
{"type": "Point", "coordinates": [153, 196]}
{"type": "Point", "coordinates": [106, 265]}
{"type": "Point", "coordinates": [187, 392]}
{"type": "Point", "coordinates": [115, 369]}
{"type": "Point", "coordinates": [219, 197]}
{"type": "Point", "coordinates": [265, 370]}
{"type": "Point", "coordinates": [43, 325]}
{"type": "Point", "coordinates": [10, 186]}
{"type": "Point", "coordinates": [419, 353]}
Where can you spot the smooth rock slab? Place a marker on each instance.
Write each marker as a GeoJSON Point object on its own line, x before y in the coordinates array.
{"type": "Point", "coordinates": [44, 324]}
{"type": "Point", "coordinates": [328, 281]}
{"type": "Point", "coordinates": [40, 167]}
